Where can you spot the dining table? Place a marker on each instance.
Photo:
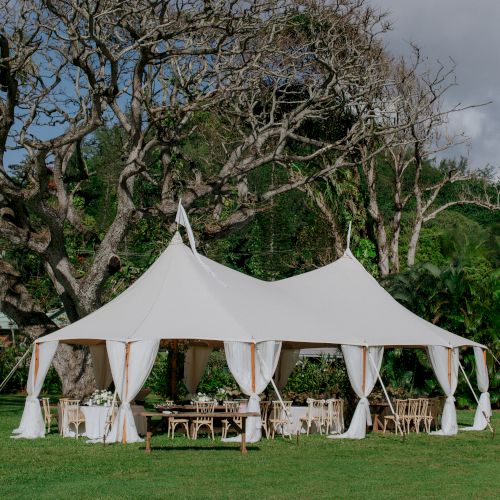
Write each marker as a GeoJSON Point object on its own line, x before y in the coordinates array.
{"type": "Point", "coordinates": [233, 417]}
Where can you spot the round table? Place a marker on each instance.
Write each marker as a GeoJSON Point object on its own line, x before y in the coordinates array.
{"type": "Point", "coordinates": [95, 421]}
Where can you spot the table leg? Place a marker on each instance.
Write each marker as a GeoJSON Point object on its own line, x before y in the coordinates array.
{"type": "Point", "coordinates": [148, 435]}
{"type": "Point", "coordinates": [243, 446]}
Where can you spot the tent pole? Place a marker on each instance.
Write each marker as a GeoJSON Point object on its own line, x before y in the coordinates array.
{"type": "Point", "coordinates": [127, 355]}
{"type": "Point", "coordinates": [475, 397]}
{"type": "Point", "coordinates": [37, 362]}
{"type": "Point", "coordinates": [173, 374]}
{"type": "Point", "coordinates": [8, 377]}
{"type": "Point", "coordinates": [252, 362]}
{"type": "Point", "coordinates": [449, 365]}
{"type": "Point", "coordinates": [363, 383]}
{"type": "Point", "coordinates": [396, 416]}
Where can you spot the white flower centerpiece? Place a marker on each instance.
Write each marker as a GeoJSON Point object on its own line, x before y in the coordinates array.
{"type": "Point", "coordinates": [201, 397]}
{"type": "Point", "coordinates": [100, 398]}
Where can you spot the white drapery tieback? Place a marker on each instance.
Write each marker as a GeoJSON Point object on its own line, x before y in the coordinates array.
{"type": "Point", "coordinates": [364, 403]}
{"type": "Point", "coordinates": [254, 406]}
{"type": "Point", "coordinates": [32, 424]}
{"type": "Point", "coordinates": [449, 425]}
{"type": "Point", "coordinates": [483, 408]}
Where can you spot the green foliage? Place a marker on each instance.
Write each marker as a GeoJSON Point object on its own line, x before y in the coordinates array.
{"type": "Point", "coordinates": [461, 299]}
{"type": "Point", "coordinates": [9, 356]}
{"type": "Point", "coordinates": [217, 375]}
{"type": "Point", "coordinates": [323, 377]}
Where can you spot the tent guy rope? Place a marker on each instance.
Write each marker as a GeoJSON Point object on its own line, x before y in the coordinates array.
{"type": "Point", "coordinates": [8, 377]}
{"type": "Point", "coordinates": [487, 418]}
{"type": "Point", "coordinates": [396, 416]}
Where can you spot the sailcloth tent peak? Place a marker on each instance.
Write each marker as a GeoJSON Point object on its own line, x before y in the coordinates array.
{"type": "Point", "coordinates": [359, 307]}
{"type": "Point", "coordinates": [184, 295]}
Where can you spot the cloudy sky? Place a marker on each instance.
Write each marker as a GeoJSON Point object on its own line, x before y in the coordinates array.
{"type": "Point", "coordinates": [469, 32]}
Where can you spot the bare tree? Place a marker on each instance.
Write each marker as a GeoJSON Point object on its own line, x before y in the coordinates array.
{"type": "Point", "coordinates": [267, 70]}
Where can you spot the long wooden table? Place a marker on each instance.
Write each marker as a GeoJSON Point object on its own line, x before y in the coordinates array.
{"type": "Point", "coordinates": [231, 416]}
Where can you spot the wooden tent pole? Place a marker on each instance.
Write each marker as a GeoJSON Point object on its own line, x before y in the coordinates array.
{"type": "Point", "coordinates": [37, 362]}
{"type": "Point", "coordinates": [449, 366]}
{"type": "Point", "coordinates": [173, 374]}
{"type": "Point", "coordinates": [363, 383]}
{"type": "Point", "coordinates": [252, 360]}
{"type": "Point", "coordinates": [127, 356]}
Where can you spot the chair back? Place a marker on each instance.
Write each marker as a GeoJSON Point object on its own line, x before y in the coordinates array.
{"type": "Point", "coordinates": [423, 407]}
{"type": "Point", "coordinates": [401, 406]}
{"type": "Point", "coordinates": [204, 407]}
{"type": "Point", "coordinates": [316, 409]}
{"type": "Point", "coordinates": [46, 407]}
{"type": "Point", "coordinates": [280, 411]}
{"type": "Point", "coordinates": [72, 411]}
{"type": "Point", "coordinates": [413, 405]}
{"type": "Point", "coordinates": [264, 409]}
{"type": "Point", "coordinates": [232, 406]}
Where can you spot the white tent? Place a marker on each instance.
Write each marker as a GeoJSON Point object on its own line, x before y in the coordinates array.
{"type": "Point", "coordinates": [186, 296]}
{"type": "Point", "coordinates": [356, 306]}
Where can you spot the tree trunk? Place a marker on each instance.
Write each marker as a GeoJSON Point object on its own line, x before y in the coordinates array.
{"type": "Point", "coordinates": [412, 247]}
{"type": "Point", "coordinates": [378, 220]}
{"type": "Point", "coordinates": [74, 367]}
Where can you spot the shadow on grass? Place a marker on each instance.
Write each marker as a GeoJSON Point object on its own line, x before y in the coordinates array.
{"type": "Point", "coordinates": [200, 448]}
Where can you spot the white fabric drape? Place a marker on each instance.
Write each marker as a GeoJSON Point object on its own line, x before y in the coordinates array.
{"type": "Point", "coordinates": [483, 382]}
{"type": "Point", "coordinates": [195, 363]}
{"type": "Point", "coordinates": [141, 358]}
{"type": "Point", "coordinates": [447, 377]}
{"type": "Point", "coordinates": [239, 361]}
{"type": "Point", "coordinates": [288, 360]}
{"type": "Point", "coordinates": [353, 357]}
{"type": "Point", "coordinates": [100, 366]}
{"type": "Point", "coordinates": [32, 423]}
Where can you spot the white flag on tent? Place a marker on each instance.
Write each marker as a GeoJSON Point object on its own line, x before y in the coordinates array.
{"type": "Point", "coordinates": [182, 219]}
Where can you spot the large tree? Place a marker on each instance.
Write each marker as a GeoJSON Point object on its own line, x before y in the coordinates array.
{"type": "Point", "coordinates": [248, 80]}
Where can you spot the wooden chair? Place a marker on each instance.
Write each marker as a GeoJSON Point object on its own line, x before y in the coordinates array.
{"type": "Point", "coordinates": [422, 414]}
{"type": "Point", "coordinates": [173, 422]}
{"type": "Point", "coordinates": [316, 413]}
{"type": "Point", "coordinates": [334, 418]}
{"type": "Point", "coordinates": [279, 417]}
{"type": "Point", "coordinates": [60, 415]}
{"type": "Point", "coordinates": [264, 416]}
{"type": "Point", "coordinates": [47, 415]}
{"type": "Point", "coordinates": [73, 415]}
{"type": "Point", "coordinates": [411, 414]}
{"type": "Point", "coordinates": [231, 407]}
{"type": "Point", "coordinates": [401, 407]}
{"type": "Point", "coordinates": [201, 421]}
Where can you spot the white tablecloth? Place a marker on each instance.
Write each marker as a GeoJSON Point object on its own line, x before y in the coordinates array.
{"type": "Point", "coordinates": [95, 421]}
{"type": "Point", "coordinates": [296, 425]}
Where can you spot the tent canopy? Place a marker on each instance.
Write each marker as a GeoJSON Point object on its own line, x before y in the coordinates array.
{"type": "Point", "coordinates": [357, 306]}
{"type": "Point", "coordinates": [187, 296]}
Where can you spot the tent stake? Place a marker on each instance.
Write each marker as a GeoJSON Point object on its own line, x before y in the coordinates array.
{"type": "Point", "coordinates": [396, 416]}
{"type": "Point", "coordinates": [476, 398]}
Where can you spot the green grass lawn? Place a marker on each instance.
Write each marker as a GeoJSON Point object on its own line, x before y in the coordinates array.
{"type": "Point", "coordinates": [467, 465]}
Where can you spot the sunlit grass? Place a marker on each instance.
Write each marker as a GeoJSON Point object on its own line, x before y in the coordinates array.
{"type": "Point", "coordinates": [464, 466]}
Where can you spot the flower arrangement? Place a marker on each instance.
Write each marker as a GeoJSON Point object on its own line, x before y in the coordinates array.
{"type": "Point", "coordinates": [201, 397]}
{"type": "Point", "coordinates": [100, 398]}
{"type": "Point", "coordinates": [221, 394]}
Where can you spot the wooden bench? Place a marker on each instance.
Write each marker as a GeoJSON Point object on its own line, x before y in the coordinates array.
{"type": "Point", "coordinates": [230, 416]}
